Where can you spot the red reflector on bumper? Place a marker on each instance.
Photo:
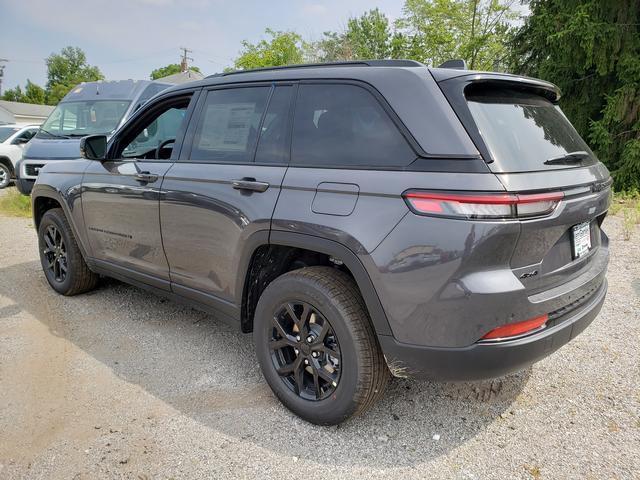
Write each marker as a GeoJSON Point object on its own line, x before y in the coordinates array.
{"type": "Point", "coordinates": [518, 328]}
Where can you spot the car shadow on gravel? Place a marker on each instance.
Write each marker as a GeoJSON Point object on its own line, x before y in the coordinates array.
{"type": "Point", "coordinates": [207, 370]}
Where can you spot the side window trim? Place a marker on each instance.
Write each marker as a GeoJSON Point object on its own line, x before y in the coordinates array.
{"type": "Point", "coordinates": [150, 110]}
{"type": "Point", "coordinates": [185, 153]}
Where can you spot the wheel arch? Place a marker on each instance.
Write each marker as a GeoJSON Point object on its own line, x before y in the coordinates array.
{"type": "Point", "coordinates": [309, 244]}
{"type": "Point", "coordinates": [45, 198]}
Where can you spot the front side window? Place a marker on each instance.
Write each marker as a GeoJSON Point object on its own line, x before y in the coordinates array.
{"type": "Point", "coordinates": [155, 137]}
{"type": "Point", "coordinates": [78, 119]}
{"type": "Point", "coordinates": [228, 127]}
{"type": "Point", "coordinates": [344, 125]}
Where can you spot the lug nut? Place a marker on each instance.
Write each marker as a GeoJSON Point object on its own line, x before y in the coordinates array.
{"type": "Point", "coordinates": [296, 350]}
{"type": "Point", "coordinates": [315, 354]}
{"type": "Point", "coordinates": [310, 339]}
{"type": "Point", "coordinates": [306, 362]}
{"type": "Point", "coordinates": [298, 337]}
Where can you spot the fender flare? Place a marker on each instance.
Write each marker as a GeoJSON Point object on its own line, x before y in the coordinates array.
{"type": "Point", "coordinates": [46, 191]}
{"type": "Point", "coordinates": [350, 260]}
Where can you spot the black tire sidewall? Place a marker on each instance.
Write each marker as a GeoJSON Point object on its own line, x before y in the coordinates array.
{"type": "Point", "coordinates": [341, 404]}
{"type": "Point", "coordinates": [53, 218]}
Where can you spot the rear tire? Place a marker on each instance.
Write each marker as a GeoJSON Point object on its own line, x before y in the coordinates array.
{"type": "Point", "coordinates": [62, 262]}
{"type": "Point", "coordinates": [336, 369]}
{"type": "Point", "coordinates": [5, 176]}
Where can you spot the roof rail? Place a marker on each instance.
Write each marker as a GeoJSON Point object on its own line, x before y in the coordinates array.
{"type": "Point", "coordinates": [456, 64]}
{"type": "Point", "coordinates": [355, 63]}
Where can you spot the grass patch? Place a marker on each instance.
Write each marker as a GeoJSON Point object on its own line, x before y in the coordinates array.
{"type": "Point", "coordinates": [626, 205]}
{"type": "Point", "coordinates": [14, 204]}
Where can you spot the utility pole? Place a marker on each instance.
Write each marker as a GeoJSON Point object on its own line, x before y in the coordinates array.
{"type": "Point", "coordinates": [184, 63]}
{"type": "Point", "coordinates": [2, 60]}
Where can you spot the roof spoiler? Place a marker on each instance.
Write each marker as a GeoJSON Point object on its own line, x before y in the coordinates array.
{"type": "Point", "coordinates": [457, 64]}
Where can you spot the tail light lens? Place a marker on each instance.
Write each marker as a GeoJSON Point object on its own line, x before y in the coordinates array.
{"type": "Point", "coordinates": [481, 205]}
{"type": "Point", "coordinates": [518, 328]}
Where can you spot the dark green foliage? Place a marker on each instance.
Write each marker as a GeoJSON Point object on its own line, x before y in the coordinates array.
{"type": "Point", "coordinates": [591, 50]}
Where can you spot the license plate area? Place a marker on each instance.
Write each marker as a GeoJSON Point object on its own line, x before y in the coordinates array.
{"type": "Point", "coordinates": [581, 239]}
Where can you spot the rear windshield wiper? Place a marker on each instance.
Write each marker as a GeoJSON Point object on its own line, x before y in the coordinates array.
{"type": "Point", "coordinates": [53, 134]}
{"type": "Point", "coordinates": [567, 158]}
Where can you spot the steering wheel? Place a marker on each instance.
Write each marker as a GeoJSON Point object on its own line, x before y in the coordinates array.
{"type": "Point", "coordinates": [161, 146]}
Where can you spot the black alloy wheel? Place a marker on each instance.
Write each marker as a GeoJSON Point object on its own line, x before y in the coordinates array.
{"type": "Point", "coordinates": [305, 351]}
{"type": "Point", "coordinates": [55, 253]}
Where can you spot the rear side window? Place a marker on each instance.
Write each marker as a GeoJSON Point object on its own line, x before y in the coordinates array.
{"type": "Point", "coordinates": [228, 127]}
{"type": "Point", "coordinates": [345, 126]}
{"type": "Point", "coordinates": [524, 130]}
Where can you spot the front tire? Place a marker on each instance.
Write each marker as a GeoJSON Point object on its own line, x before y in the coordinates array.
{"type": "Point", "coordinates": [5, 176]}
{"type": "Point", "coordinates": [62, 262]}
{"type": "Point", "coordinates": [316, 346]}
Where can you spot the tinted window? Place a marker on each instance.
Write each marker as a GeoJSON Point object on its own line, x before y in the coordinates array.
{"type": "Point", "coordinates": [228, 127]}
{"type": "Point", "coordinates": [523, 130]}
{"type": "Point", "coordinates": [273, 145]}
{"type": "Point", "coordinates": [344, 125]}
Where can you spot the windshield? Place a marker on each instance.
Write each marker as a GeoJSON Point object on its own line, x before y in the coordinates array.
{"type": "Point", "coordinates": [523, 130]}
{"type": "Point", "coordinates": [77, 119]}
{"type": "Point", "coordinates": [6, 132]}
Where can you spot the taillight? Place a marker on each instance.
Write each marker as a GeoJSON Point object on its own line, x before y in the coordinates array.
{"type": "Point", "coordinates": [518, 328]}
{"type": "Point", "coordinates": [482, 205]}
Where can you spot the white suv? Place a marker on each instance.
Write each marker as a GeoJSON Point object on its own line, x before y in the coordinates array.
{"type": "Point", "coordinates": [12, 140]}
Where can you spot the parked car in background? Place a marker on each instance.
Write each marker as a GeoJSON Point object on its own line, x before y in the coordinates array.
{"type": "Point", "coordinates": [361, 219]}
{"type": "Point", "coordinates": [13, 139]}
{"type": "Point", "coordinates": [88, 109]}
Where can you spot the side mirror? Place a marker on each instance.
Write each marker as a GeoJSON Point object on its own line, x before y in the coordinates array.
{"type": "Point", "coordinates": [21, 140]}
{"type": "Point", "coordinates": [93, 147]}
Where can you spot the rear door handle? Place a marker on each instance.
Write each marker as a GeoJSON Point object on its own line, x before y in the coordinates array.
{"type": "Point", "coordinates": [250, 184]}
{"type": "Point", "coordinates": [145, 177]}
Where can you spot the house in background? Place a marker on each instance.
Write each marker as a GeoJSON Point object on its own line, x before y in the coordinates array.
{"type": "Point", "coordinates": [23, 113]}
{"type": "Point", "coordinates": [182, 77]}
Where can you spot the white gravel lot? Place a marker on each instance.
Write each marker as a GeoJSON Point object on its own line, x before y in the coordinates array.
{"type": "Point", "coordinates": [119, 383]}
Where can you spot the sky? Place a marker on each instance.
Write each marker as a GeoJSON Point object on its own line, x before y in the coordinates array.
{"type": "Point", "coordinates": [129, 38]}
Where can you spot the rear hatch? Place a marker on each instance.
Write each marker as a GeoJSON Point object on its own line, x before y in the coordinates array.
{"type": "Point", "coordinates": [531, 147]}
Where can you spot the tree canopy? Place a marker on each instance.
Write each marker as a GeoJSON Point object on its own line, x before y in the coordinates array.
{"type": "Point", "coordinates": [170, 69]}
{"type": "Point", "coordinates": [67, 69]}
{"type": "Point", "coordinates": [281, 48]}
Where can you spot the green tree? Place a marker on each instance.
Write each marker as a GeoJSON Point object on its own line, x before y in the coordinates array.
{"type": "Point", "coordinates": [67, 69]}
{"type": "Point", "coordinates": [170, 69]}
{"type": "Point", "coordinates": [369, 36]}
{"type": "Point", "coordinates": [34, 93]}
{"type": "Point", "coordinates": [591, 50]}
{"type": "Point", "coordinates": [282, 48]}
{"type": "Point", "coordinates": [13, 94]}
{"type": "Point", "coordinates": [476, 31]}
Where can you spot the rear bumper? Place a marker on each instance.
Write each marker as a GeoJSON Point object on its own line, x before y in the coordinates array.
{"type": "Point", "coordinates": [489, 360]}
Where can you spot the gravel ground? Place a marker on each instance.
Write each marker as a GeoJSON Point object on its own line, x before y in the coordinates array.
{"type": "Point", "coordinates": [122, 384]}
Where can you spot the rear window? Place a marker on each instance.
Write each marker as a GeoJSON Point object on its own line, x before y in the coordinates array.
{"type": "Point", "coordinates": [342, 126]}
{"type": "Point", "coordinates": [523, 130]}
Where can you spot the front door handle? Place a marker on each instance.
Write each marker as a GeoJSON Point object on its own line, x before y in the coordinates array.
{"type": "Point", "coordinates": [145, 177]}
{"type": "Point", "coordinates": [249, 184]}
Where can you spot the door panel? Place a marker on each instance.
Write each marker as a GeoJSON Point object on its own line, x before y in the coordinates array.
{"type": "Point", "coordinates": [121, 216]}
{"type": "Point", "coordinates": [205, 221]}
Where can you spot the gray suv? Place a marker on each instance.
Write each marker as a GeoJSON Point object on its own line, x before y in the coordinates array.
{"type": "Point", "coordinates": [362, 219]}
